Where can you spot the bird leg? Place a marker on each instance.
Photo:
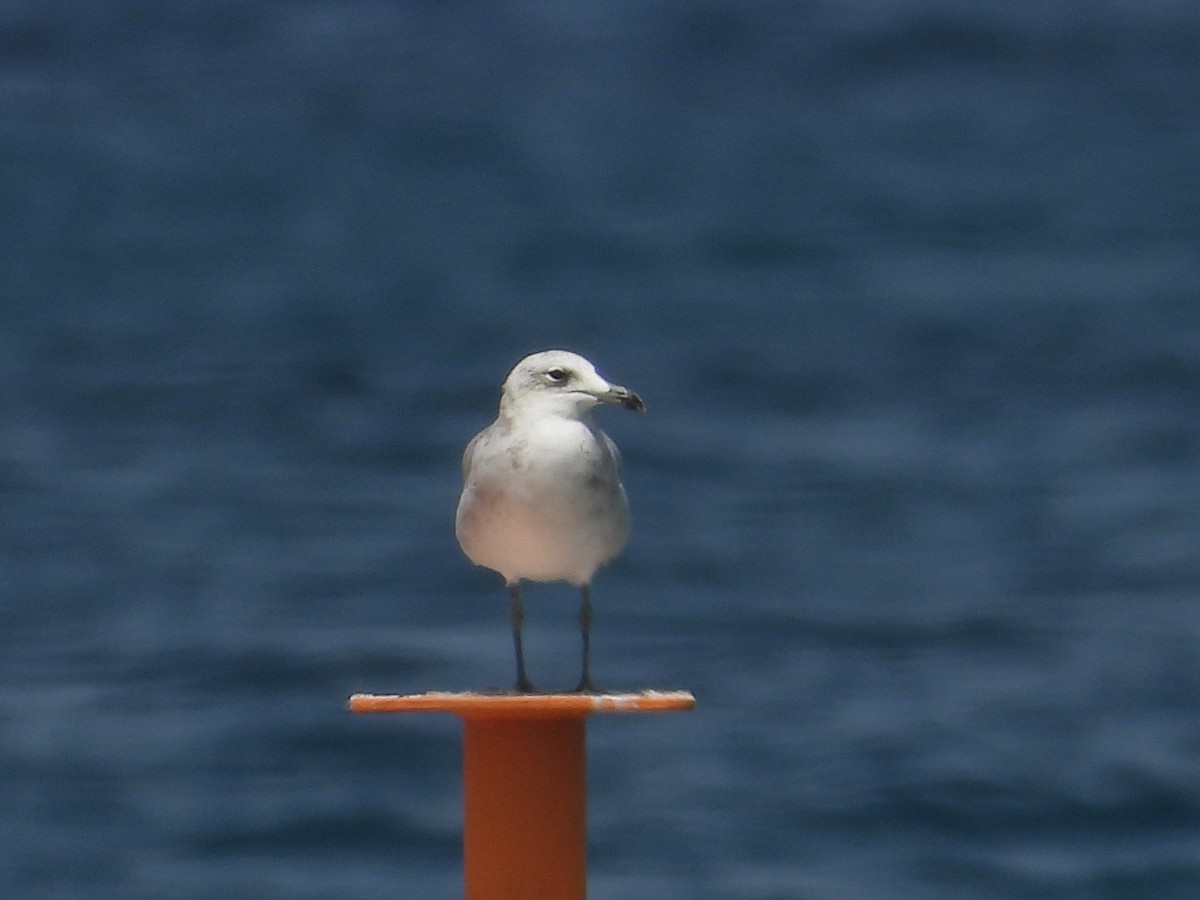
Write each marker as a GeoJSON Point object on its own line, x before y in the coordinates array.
{"type": "Point", "coordinates": [516, 615]}
{"type": "Point", "coordinates": [585, 685]}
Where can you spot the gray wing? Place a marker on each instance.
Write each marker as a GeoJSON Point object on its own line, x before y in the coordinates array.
{"type": "Point", "coordinates": [612, 450]}
{"type": "Point", "coordinates": [469, 455]}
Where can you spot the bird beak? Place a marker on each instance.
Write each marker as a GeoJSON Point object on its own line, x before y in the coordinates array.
{"type": "Point", "coordinates": [623, 396]}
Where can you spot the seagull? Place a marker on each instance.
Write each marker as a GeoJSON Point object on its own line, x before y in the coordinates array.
{"type": "Point", "coordinates": [542, 498]}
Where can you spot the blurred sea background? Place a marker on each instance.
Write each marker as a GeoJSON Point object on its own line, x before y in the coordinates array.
{"type": "Point", "coordinates": [910, 289]}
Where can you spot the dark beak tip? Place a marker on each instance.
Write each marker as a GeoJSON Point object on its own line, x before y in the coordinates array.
{"type": "Point", "coordinates": [634, 402]}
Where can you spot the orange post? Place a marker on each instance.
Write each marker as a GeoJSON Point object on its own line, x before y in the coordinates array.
{"type": "Point", "coordinates": [525, 783]}
{"type": "Point", "coordinates": [524, 808]}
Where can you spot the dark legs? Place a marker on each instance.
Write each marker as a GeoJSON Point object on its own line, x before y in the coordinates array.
{"type": "Point", "coordinates": [516, 616]}
{"type": "Point", "coordinates": [585, 685]}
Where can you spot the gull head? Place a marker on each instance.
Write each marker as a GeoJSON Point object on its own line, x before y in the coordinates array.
{"type": "Point", "coordinates": [562, 383]}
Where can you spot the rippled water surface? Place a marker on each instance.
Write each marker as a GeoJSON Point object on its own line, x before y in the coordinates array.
{"type": "Point", "coordinates": [910, 290]}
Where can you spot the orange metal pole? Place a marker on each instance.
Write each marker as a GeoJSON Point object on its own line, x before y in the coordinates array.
{"type": "Point", "coordinates": [525, 783]}
{"type": "Point", "coordinates": [524, 815]}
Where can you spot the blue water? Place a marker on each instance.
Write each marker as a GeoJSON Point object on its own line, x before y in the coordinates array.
{"type": "Point", "coordinates": [911, 292]}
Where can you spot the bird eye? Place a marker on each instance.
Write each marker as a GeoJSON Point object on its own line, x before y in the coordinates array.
{"type": "Point", "coordinates": [557, 375]}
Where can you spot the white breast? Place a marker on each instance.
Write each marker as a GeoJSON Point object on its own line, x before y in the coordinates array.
{"type": "Point", "coordinates": [545, 504]}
